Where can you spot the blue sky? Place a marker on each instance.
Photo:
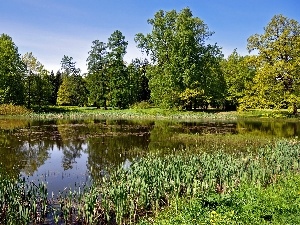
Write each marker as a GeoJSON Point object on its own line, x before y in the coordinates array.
{"type": "Point", "coordinates": [53, 28]}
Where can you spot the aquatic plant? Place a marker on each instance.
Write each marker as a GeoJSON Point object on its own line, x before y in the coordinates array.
{"type": "Point", "coordinates": [150, 183]}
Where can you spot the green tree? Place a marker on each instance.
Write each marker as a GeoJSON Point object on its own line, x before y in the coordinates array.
{"type": "Point", "coordinates": [73, 89]}
{"type": "Point", "coordinates": [138, 81]}
{"type": "Point", "coordinates": [181, 60]}
{"type": "Point", "coordinates": [97, 78]}
{"type": "Point", "coordinates": [117, 71]}
{"type": "Point", "coordinates": [12, 72]}
{"type": "Point", "coordinates": [276, 82]}
{"type": "Point", "coordinates": [37, 84]}
{"type": "Point", "coordinates": [238, 74]}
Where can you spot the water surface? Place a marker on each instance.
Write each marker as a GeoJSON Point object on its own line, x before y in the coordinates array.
{"type": "Point", "coordinates": [69, 153]}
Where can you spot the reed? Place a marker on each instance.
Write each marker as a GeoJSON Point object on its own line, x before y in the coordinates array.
{"type": "Point", "coordinates": [150, 184]}
{"type": "Point", "coordinates": [153, 181]}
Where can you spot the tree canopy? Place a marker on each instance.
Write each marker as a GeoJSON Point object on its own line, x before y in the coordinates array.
{"type": "Point", "coordinates": [276, 82]}
{"type": "Point", "coordinates": [183, 66]}
{"type": "Point", "coordinates": [182, 70]}
{"type": "Point", "coordinates": [12, 72]}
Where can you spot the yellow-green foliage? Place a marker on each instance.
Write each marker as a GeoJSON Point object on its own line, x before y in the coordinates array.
{"type": "Point", "coordinates": [10, 109]}
{"type": "Point", "coordinates": [141, 105]}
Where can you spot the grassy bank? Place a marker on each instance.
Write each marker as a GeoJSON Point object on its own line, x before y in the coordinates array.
{"type": "Point", "coordinates": [149, 113]}
{"type": "Point", "coordinates": [278, 203]}
{"type": "Point", "coordinates": [73, 112]}
{"type": "Point", "coordinates": [153, 183]}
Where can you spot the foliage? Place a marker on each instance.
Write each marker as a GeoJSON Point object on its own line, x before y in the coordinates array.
{"type": "Point", "coordinates": [276, 82]}
{"type": "Point", "coordinates": [138, 81]}
{"type": "Point", "coordinates": [153, 182]}
{"type": "Point", "coordinates": [278, 203]}
{"type": "Point", "coordinates": [180, 59]}
{"type": "Point", "coordinates": [37, 83]}
{"type": "Point", "coordinates": [97, 78]}
{"type": "Point", "coordinates": [117, 72]}
{"type": "Point", "coordinates": [110, 82]}
{"type": "Point", "coordinates": [55, 82]}
{"type": "Point", "coordinates": [141, 105]}
{"type": "Point", "coordinates": [10, 109]}
{"type": "Point", "coordinates": [238, 75]}
{"type": "Point", "coordinates": [73, 90]}
{"type": "Point", "coordinates": [12, 71]}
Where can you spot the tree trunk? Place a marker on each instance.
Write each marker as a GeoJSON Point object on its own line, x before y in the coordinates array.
{"type": "Point", "coordinates": [295, 109]}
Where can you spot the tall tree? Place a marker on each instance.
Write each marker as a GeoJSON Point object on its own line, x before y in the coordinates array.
{"type": "Point", "coordinates": [117, 72]}
{"type": "Point", "coordinates": [12, 72]}
{"type": "Point", "coordinates": [97, 78]}
{"type": "Point", "coordinates": [238, 74]}
{"type": "Point", "coordinates": [276, 82]}
{"type": "Point", "coordinates": [73, 89]}
{"type": "Point", "coordinates": [138, 82]}
{"type": "Point", "coordinates": [37, 85]}
{"type": "Point", "coordinates": [181, 61]}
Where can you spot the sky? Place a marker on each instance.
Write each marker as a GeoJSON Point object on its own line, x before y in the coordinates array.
{"type": "Point", "coordinates": [51, 29]}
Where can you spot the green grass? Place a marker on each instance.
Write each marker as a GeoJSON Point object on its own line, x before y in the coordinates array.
{"type": "Point", "coordinates": [142, 110]}
{"type": "Point", "coordinates": [135, 113]}
{"type": "Point", "coordinates": [266, 113]}
{"type": "Point", "coordinates": [278, 203]}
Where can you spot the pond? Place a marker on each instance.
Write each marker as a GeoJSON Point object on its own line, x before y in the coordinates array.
{"type": "Point", "coordinates": [71, 153]}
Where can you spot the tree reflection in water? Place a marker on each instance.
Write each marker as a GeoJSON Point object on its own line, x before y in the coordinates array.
{"type": "Point", "coordinates": [66, 152]}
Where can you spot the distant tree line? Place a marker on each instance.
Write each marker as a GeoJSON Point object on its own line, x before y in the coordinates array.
{"type": "Point", "coordinates": [181, 71]}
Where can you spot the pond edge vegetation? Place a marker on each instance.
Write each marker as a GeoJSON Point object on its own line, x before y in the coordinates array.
{"type": "Point", "coordinates": [149, 185]}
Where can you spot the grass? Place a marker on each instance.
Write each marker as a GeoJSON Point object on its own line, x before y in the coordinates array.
{"type": "Point", "coordinates": [267, 113]}
{"type": "Point", "coordinates": [278, 203]}
{"type": "Point", "coordinates": [72, 112]}
{"type": "Point", "coordinates": [142, 110]}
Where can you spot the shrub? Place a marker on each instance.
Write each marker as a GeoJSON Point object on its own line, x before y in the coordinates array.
{"type": "Point", "coordinates": [10, 109]}
{"type": "Point", "coordinates": [141, 105]}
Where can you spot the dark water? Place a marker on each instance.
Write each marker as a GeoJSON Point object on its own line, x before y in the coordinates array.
{"type": "Point", "coordinates": [69, 153]}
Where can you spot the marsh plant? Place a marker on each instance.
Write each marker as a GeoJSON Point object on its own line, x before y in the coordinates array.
{"type": "Point", "coordinates": [149, 185]}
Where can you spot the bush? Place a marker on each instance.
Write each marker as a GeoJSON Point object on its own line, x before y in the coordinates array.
{"type": "Point", "coordinates": [10, 109]}
{"type": "Point", "coordinates": [141, 105]}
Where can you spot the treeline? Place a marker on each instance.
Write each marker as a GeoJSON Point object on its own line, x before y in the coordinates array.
{"type": "Point", "coordinates": [181, 71]}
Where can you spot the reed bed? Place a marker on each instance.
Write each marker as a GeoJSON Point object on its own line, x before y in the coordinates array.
{"type": "Point", "coordinates": [153, 113]}
{"type": "Point", "coordinates": [151, 183]}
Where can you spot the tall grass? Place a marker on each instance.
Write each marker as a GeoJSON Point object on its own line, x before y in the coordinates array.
{"type": "Point", "coordinates": [152, 183]}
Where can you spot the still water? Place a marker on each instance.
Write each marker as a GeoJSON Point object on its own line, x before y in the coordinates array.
{"type": "Point", "coordinates": [70, 153]}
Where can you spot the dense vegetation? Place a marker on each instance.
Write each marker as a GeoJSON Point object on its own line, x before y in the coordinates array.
{"type": "Point", "coordinates": [182, 70]}
{"type": "Point", "coordinates": [217, 181]}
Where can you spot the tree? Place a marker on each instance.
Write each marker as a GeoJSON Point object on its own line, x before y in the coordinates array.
{"type": "Point", "coordinates": [73, 89]}
{"type": "Point", "coordinates": [117, 71]}
{"type": "Point", "coordinates": [37, 84]}
{"type": "Point", "coordinates": [12, 72]}
{"type": "Point", "coordinates": [182, 63]}
{"type": "Point", "coordinates": [276, 82]}
{"type": "Point", "coordinates": [138, 82]}
{"type": "Point", "coordinates": [238, 74]}
{"type": "Point", "coordinates": [97, 78]}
